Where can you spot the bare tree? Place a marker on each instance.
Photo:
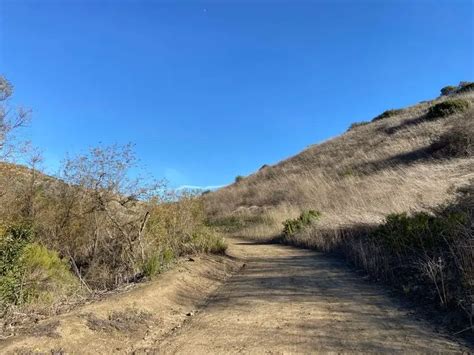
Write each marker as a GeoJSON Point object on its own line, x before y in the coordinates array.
{"type": "Point", "coordinates": [10, 120]}
{"type": "Point", "coordinates": [102, 215]}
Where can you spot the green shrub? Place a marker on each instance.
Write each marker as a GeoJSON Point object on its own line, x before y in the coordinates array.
{"type": "Point", "coordinates": [447, 108]}
{"type": "Point", "coordinates": [158, 262]}
{"type": "Point", "coordinates": [239, 178]}
{"type": "Point", "coordinates": [206, 240]}
{"type": "Point", "coordinates": [29, 272]}
{"type": "Point", "coordinates": [168, 256]}
{"type": "Point", "coordinates": [12, 243]}
{"type": "Point", "coordinates": [45, 275]}
{"type": "Point", "coordinates": [448, 90]}
{"type": "Point", "coordinates": [234, 223]}
{"type": "Point", "coordinates": [152, 265]}
{"type": "Point", "coordinates": [292, 226]}
{"type": "Point", "coordinates": [421, 231]}
{"type": "Point", "coordinates": [227, 223]}
{"type": "Point", "coordinates": [427, 254]}
{"type": "Point", "coordinates": [347, 173]}
{"type": "Point", "coordinates": [357, 124]}
{"type": "Point", "coordinates": [387, 114]}
{"type": "Point", "coordinates": [466, 87]}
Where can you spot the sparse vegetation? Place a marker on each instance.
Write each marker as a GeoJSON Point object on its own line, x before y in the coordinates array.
{"type": "Point", "coordinates": [446, 108]}
{"type": "Point", "coordinates": [465, 87]}
{"type": "Point", "coordinates": [358, 124]}
{"type": "Point", "coordinates": [462, 87]}
{"type": "Point", "coordinates": [11, 120]}
{"type": "Point", "coordinates": [239, 178]}
{"type": "Point", "coordinates": [448, 90]}
{"type": "Point", "coordinates": [126, 321]}
{"type": "Point", "coordinates": [387, 114]}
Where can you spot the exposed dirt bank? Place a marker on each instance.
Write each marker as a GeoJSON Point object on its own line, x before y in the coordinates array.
{"type": "Point", "coordinates": [133, 319]}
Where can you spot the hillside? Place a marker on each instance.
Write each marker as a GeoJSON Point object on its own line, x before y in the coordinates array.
{"type": "Point", "coordinates": [394, 196]}
{"type": "Point", "coordinates": [403, 162]}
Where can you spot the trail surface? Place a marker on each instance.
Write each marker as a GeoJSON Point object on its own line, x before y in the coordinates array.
{"type": "Point", "coordinates": [266, 299]}
{"type": "Point", "coordinates": [288, 300]}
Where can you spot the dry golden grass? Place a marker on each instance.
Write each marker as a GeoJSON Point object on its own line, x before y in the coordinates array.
{"type": "Point", "coordinates": [357, 178]}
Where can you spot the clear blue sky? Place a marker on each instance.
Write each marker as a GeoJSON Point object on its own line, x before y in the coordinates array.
{"type": "Point", "coordinates": [211, 90]}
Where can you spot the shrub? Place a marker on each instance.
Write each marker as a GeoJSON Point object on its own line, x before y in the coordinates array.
{"type": "Point", "coordinates": [466, 87]}
{"type": "Point", "coordinates": [152, 265]}
{"type": "Point", "coordinates": [448, 90]}
{"type": "Point", "coordinates": [447, 108]}
{"type": "Point", "coordinates": [12, 243]}
{"type": "Point", "coordinates": [45, 275]}
{"type": "Point", "coordinates": [357, 124]}
{"type": "Point", "coordinates": [387, 114]}
{"type": "Point", "coordinates": [158, 262]}
{"type": "Point", "coordinates": [429, 253]}
{"type": "Point", "coordinates": [29, 272]}
{"type": "Point", "coordinates": [239, 178]}
{"type": "Point", "coordinates": [208, 241]}
{"type": "Point", "coordinates": [292, 226]}
{"type": "Point", "coordinates": [421, 231]}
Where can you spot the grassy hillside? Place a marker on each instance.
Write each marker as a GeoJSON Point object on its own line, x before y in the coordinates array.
{"type": "Point", "coordinates": [395, 164]}
{"type": "Point", "coordinates": [393, 194]}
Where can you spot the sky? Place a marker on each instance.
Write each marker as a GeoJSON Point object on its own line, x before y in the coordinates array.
{"type": "Point", "coordinates": [211, 90]}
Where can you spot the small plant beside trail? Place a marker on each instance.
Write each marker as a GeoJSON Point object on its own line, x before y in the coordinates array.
{"type": "Point", "coordinates": [292, 226]}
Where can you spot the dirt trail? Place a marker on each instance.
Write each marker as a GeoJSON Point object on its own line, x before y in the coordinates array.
{"type": "Point", "coordinates": [283, 300]}
{"type": "Point", "coordinates": [288, 300]}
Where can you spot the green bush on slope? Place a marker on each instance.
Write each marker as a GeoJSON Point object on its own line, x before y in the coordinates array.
{"type": "Point", "coordinates": [292, 226]}
{"type": "Point", "coordinates": [386, 114]}
{"type": "Point", "coordinates": [30, 272]}
{"type": "Point", "coordinates": [447, 108]}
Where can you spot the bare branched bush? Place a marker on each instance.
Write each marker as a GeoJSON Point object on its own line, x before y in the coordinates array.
{"type": "Point", "coordinates": [11, 119]}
